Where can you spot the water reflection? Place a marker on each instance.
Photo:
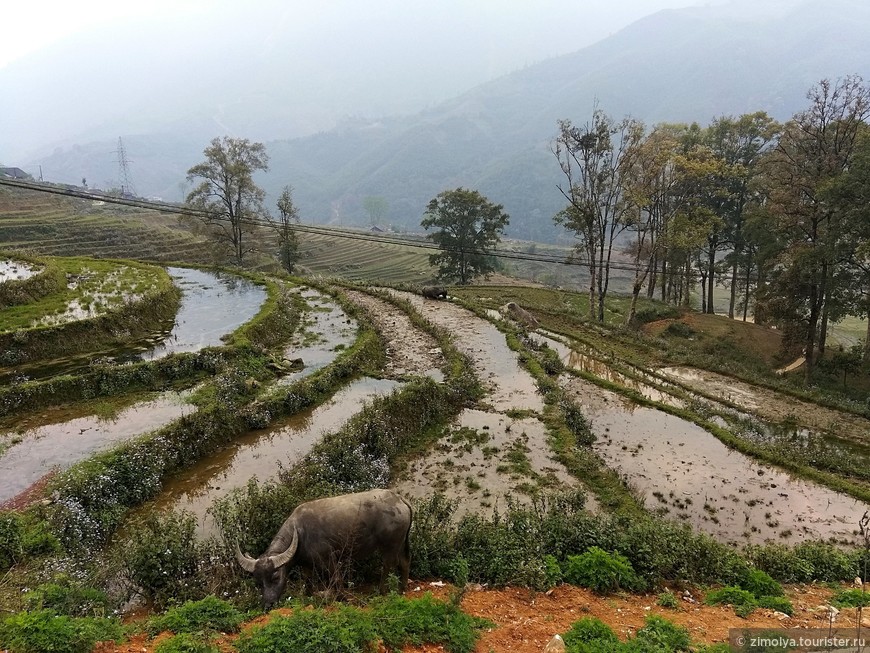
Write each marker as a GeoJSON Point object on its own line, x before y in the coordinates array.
{"type": "Point", "coordinates": [58, 446]}
{"type": "Point", "coordinates": [261, 453]}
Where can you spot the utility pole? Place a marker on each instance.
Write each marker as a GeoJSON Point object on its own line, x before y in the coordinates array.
{"type": "Point", "coordinates": [124, 176]}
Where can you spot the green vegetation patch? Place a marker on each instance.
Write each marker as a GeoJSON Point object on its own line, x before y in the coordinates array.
{"type": "Point", "coordinates": [49, 279]}
{"type": "Point", "coordinates": [44, 630]}
{"type": "Point", "coordinates": [102, 304]}
{"type": "Point", "coordinates": [210, 614]}
{"type": "Point", "coordinates": [396, 621]}
{"type": "Point", "coordinates": [658, 635]}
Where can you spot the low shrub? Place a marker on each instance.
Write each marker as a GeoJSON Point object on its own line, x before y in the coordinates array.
{"type": "Point", "coordinates": [42, 631]}
{"type": "Point", "coordinates": [342, 629]}
{"type": "Point", "coordinates": [679, 330]}
{"type": "Point", "coordinates": [744, 602]}
{"type": "Point", "coordinates": [11, 548]}
{"type": "Point", "coordinates": [667, 599]}
{"type": "Point", "coordinates": [778, 603]}
{"type": "Point", "coordinates": [852, 598]}
{"type": "Point", "coordinates": [600, 571]}
{"type": "Point", "coordinates": [590, 634]}
{"type": "Point", "coordinates": [208, 614]}
{"type": "Point", "coordinates": [161, 562]}
{"type": "Point", "coordinates": [401, 622]}
{"type": "Point", "coordinates": [186, 643]}
{"type": "Point", "coordinates": [66, 596]}
{"type": "Point", "coordinates": [759, 583]}
{"type": "Point", "coordinates": [22, 536]}
{"type": "Point", "coordinates": [660, 634]}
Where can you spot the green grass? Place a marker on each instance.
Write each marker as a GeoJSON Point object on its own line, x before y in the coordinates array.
{"type": "Point", "coordinates": [100, 287]}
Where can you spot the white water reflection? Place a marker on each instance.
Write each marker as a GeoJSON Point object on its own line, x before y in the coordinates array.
{"type": "Point", "coordinates": [58, 446]}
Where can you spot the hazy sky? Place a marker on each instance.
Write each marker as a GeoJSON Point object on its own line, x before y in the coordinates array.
{"type": "Point", "coordinates": [531, 28]}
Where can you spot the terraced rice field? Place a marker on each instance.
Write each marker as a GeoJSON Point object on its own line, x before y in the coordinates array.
{"type": "Point", "coordinates": [61, 226]}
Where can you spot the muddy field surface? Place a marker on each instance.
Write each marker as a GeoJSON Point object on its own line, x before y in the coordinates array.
{"type": "Point", "coordinates": [489, 452]}
{"type": "Point", "coordinates": [686, 474]}
{"type": "Point", "coordinates": [772, 405]}
{"type": "Point", "coordinates": [410, 351]}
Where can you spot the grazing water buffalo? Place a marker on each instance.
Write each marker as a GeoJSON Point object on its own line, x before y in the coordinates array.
{"type": "Point", "coordinates": [320, 534]}
{"type": "Point", "coordinates": [433, 292]}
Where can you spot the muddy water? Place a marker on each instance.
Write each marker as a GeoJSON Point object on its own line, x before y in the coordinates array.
{"type": "Point", "coordinates": [325, 331]}
{"type": "Point", "coordinates": [52, 446]}
{"type": "Point", "coordinates": [486, 454]}
{"type": "Point", "coordinates": [508, 385]}
{"type": "Point", "coordinates": [212, 305]}
{"type": "Point", "coordinates": [685, 473]}
{"type": "Point", "coordinates": [260, 453]}
{"type": "Point", "coordinates": [11, 270]}
{"type": "Point", "coordinates": [578, 358]}
{"type": "Point", "coordinates": [774, 406]}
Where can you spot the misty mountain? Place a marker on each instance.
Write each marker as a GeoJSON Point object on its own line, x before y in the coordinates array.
{"type": "Point", "coordinates": [677, 65]}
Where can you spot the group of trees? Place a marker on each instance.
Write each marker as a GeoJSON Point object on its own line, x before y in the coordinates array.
{"type": "Point", "coordinates": [778, 213]}
{"type": "Point", "coordinates": [229, 207]}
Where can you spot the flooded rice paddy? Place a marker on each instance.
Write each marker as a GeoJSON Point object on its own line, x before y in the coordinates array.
{"type": "Point", "coordinates": [12, 270]}
{"type": "Point", "coordinates": [40, 450]}
{"type": "Point", "coordinates": [325, 330]}
{"type": "Point", "coordinates": [508, 385]}
{"type": "Point", "coordinates": [685, 473]}
{"type": "Point", "coordinates": [486, 453]}
{"type": "Point", "coordinates": [212, 305]}
{"type": "Point", "coordinates": [483, 458]}
{"type": "Point", "coordinates": [261, 453]}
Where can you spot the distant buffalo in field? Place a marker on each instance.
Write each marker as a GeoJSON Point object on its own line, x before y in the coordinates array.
{"type": "Point", "coordinates": [517, 313]}
{"type": "Point", "coordinates": [434, 292]}
{"type": "Point", "coordinates": [319, 535]}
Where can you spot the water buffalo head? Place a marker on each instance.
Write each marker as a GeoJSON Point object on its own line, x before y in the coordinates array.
{"type": "Point", "coordinates": [269, 571]}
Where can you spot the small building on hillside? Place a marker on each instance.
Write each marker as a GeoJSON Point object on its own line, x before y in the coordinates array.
{"type": "Point", "coordinates": [14, 173]}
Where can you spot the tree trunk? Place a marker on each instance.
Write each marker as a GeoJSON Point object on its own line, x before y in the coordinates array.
{"type": "Point", "coordinates": [711, 276]}
{"type": "Point", "coordinates": [732, 302]}
{"type": "Point", "coordinates": [651, 286]}
{"type": "Point", "coordinates": [867, 342]}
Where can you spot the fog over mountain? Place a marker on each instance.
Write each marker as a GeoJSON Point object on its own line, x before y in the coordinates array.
{"type": "Point", "coordinates": [370, 122]}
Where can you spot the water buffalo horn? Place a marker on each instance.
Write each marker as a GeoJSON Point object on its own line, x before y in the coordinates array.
{"type": "Point", "coordinates": [244, 561]}
{"type": "Point", "coordinates": [283, 558]}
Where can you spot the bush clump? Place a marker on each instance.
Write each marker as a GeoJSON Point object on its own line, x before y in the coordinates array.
{"type": "Point", "coordinates": [340, 630]}
{"type": "Point", "coordinates": [186, 643]}
{"type": "Point", "coordinates": [658, 635]}
{"type": "Point", "coordinates": [602, 572]}
{"type": "Point", "coordinates": [162, 561]}
{"type": "Point", "coordinates": [852, 598]}
{"type": "Point", "coordinates": [208, 614]}
{"type": "Point", "coordinates": [590, 634]}
{"type": "Point", "coordinates": [43, 631]}
{"type": "Point", "coordinates": [402, 622]}
{"type": "Point", "coordinates": [65, 596]}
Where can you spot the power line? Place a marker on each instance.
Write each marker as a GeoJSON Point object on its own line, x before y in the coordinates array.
{"type": "Point", "coordinates": [175, 209]}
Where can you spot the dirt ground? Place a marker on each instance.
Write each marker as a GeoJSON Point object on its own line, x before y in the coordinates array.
{"type": "Point", "coordinates": [526, 620]}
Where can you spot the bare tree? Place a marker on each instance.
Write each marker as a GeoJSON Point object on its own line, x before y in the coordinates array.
{"type": "Point", "coordinates": [596, 160]}
{"type": "Point", "coordinates": [288, 239]}
{"type": "Point", "coordinates": [227, 201]}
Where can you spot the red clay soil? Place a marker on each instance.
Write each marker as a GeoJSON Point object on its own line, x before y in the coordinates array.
{"type": "Point", "coordinates": [527, 620]}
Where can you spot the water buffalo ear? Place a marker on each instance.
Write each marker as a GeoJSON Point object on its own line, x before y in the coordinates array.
{"type": "Point", "coordinates": [283, 558]}
{"type": "Point", "coordinates": [244, 561]}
